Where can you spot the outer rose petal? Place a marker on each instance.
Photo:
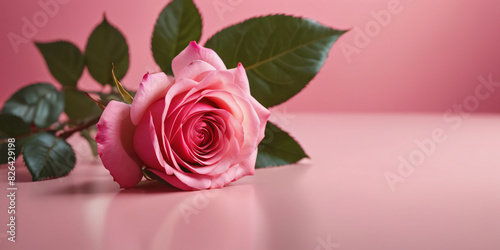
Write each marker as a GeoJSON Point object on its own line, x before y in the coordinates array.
{"type": "Point", "coordinates": [236, 172]}
{"type": "Point", "coordinates": [196, 181]}
{"type": "Point", "coordinates": [240, 78]}
{"type": "Point", "coordinates": [194, 69]}
{"type": "Point", "coordinates": [224, 178]}
{"type": "Point", "coordinates": [147, 146]}
{"type": "Point", "coordinates": [246, 167]}
{"type": "Point", "coordinates": [263, 114]}
{"type": "Point", "coordinates": [115, 133]}
{"type": "Point", "coordinates": [194, 52]}
{"type": "Point", "coordinates": [153, 87]}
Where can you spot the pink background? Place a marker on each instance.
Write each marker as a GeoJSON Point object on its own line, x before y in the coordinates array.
{"type": "Point", "coordinates": [427, 58]}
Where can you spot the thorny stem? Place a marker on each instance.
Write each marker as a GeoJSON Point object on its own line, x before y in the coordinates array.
{"type": "Point", "coordinates": [65, 134]}
{"type": "Point", "coordinates": [81, 127]}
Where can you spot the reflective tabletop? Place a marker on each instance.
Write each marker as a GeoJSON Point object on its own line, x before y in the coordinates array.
{"type": "Point", "coordinates": [373, 181]}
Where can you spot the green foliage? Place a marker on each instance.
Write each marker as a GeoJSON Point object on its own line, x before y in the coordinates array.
{"type": "Point", "coordinates": [64, 60]}
{"type": "Point", "coordinates": [106, 46]}
{"type": "Point", "coordinates": [79, 107]}
{"type": "Point", "coordinates": [178, 24]}
{"type": "Point", "coordinates": [125, 95]}
{"type": "Point", "coordinates": [12, 126]}
{"type": "Point", "coordinates": [47, 156]}
{"type": "Point", "coordinates": [278, 148]}
{"type": "Point", "coordinates": [281, 54]}
{"type": "Point", "coordinates": [39, 103]}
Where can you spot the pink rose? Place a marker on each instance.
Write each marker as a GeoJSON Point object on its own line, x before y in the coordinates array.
{"type": "Point", "coordinates": [199, 130]}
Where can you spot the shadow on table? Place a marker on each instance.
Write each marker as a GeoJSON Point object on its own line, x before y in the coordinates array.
{"type": "Point", "coordinates": [240, 216]}
{"type": "Point", "coordinates": [23, 174]}
{"type": "Point", "coordinates": [209, 219]}
{"type": "Point", "coordinates": [105, 186]}
{"type": "Point", "coordinates": [145, 187]}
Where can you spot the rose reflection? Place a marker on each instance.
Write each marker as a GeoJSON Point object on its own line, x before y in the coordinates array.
{"type": "Point", "coordinates": [153, 216]}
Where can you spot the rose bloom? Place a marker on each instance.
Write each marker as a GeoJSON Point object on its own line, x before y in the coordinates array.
{"type": "Point", "coordinates": [199, 130]}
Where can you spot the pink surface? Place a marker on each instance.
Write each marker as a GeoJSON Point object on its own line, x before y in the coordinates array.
{"type": "Point", "coordinates": [338, 200]}
{"type": "Point", "coordinates": [427, 57]}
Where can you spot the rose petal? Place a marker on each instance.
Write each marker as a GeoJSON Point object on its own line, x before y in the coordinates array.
{"type": "Point", "coordinates": [225, 156]}
{"type": "Point", "coordinates": [172, 100]}
{"type": "Point", "coordinates": [176, 136]}
{"type": "Point", "coordinates": [196, 181]}
{"type": "Point", "coordinates": [194, 52]}
{"type": "Point", "coordinates": [249, 118]}
{"type": "Point", "coordinates": [146, 143]}
{"type": "Point", "coordinates": [166, 126]}
{"type": "Point", "coordinates": [217, 80]}
{"type": "Point", "coordinates": [152, 88]}
{"type": "Point", "coordinates": [115, 144]}
{"type": "Point", "coordinates": [240, 78]}
{"type": "Point", "coordinates": [246, 167]}
{"type": "Point", "coordinates": [194, 69]}
{"type": "Point", "coordinates": [263, 114]}
{"type": "Point", "coordinates": [178, 115]}
{"type": "Point", "coordinates": [224, 178]}
{"type": "Point", "coordinates": [236, 172]}
{"type": "Point", "coordinates": [224, 100]}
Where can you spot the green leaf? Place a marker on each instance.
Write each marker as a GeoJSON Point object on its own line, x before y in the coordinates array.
{"type": "Point", "coordinates": [4, 150]}
{"type": "Point", "coordinates": [281, 54]}
{"type": "Point", "coordinates": [48, 157]}
{"type": "Point", "coordinates": [79, 107]}
{"type": "Point", "coordinates": [65, 61]}
{"type": "Point", "coordinates": [178, 24]}
{"type": "Point", "coordinates": [125, 95]}
{"type": "Point", "coordinates": [92, 143]}
{"type": "Point", "coordinates": [278, 148]}
{"type": "Point", "coordinates": [106, 46]}
{"type": "Point", "coordinates": [113, 96]}
{"type": "Point", "coordinates": [39, 103]}
{"type": "Point", "coordinates": [12, 126]}
{"type": "Point", "coordinates": [4, 147]}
